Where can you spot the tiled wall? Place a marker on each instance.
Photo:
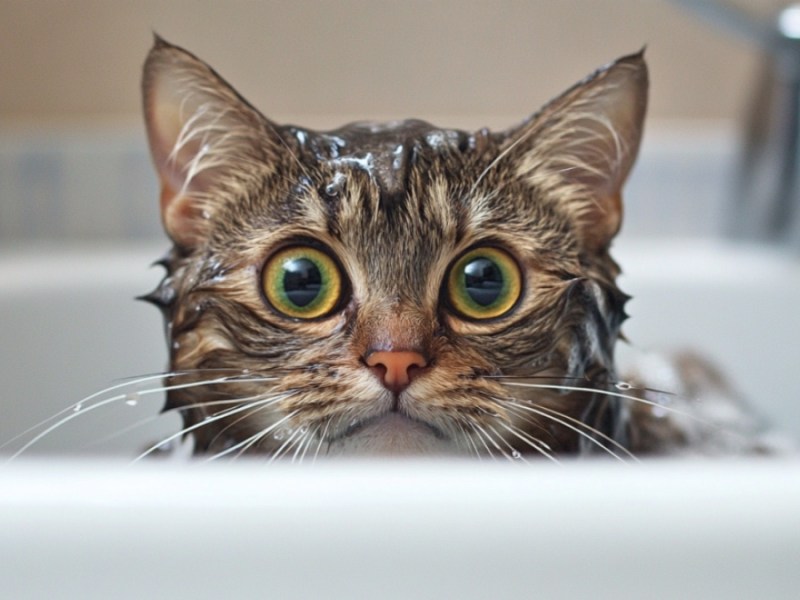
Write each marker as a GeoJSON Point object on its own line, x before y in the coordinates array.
{"type": "Point", "coordinates": [76, 186]}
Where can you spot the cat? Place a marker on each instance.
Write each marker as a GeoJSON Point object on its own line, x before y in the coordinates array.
{"type": "Point", "coordinates": [394, 289]}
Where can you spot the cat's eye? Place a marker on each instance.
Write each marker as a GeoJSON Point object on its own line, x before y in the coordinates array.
{"type": "Point", "coordinates": [484, 283]}
{"type": "Point", "coordinates": [302, 282]}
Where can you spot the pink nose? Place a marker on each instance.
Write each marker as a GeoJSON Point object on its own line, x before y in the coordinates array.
{"type": "Point", "coordinates": [396, 369]}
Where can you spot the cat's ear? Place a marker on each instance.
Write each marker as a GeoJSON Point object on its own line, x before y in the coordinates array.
{"type": "Point", "coordinates": [208, 144]}
{"type": "Point", "coordinates": [578, 150]}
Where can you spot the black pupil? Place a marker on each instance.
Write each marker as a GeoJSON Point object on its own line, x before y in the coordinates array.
{"type": "Point", "coordinates": [301, 281]}
{"type": "Point", "coordinates": [484, 281]}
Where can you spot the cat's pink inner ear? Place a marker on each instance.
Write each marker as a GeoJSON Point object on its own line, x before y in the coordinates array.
{"type": "Point", "coordinates": [173, 157]}
{"type": "Point", "coordinates": [176, 154]}
{"type": "Point", "coordinates": [182, 218]}
{"type": "Point", "coordinates": [579, 150]}
{"type": "Point", "coordinates": [207, 143]}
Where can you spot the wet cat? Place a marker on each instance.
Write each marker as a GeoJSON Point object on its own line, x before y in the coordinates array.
{"type": "Point", "coordinates": [397, 288]}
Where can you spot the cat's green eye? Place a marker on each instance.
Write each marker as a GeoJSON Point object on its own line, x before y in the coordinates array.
{"type": "Point", "coordinates": [484, 283]}
{"type": "Point", "coordinates": [302, 282]}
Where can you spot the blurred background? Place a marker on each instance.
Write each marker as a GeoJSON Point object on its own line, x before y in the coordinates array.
{"type": "Point", "coordinates": [78, 199]}
{"type": "Point", "coordinates": [71, 144]}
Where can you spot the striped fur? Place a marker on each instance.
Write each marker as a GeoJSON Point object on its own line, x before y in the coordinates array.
{"type": "Point", "coordinates": [395, 204]}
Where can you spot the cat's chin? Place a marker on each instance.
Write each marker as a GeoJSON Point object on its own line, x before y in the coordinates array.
{"type": "Point", "coordinates": [392, 435]}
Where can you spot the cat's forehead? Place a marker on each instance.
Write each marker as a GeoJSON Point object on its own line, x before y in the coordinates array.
{"type": "Point", "coordinates": [386, 151]}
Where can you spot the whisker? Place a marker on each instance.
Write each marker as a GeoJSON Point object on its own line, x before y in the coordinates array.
{"type": "Point", "coordinates": [256, 410]}
{"type": "Point", "coordinates": [77, 406]}
{"type": "Point", "coordinates": [205, 422]}
{"type": "Point", "coordinates": [570, 388]}
{"type": "Point", "coordinates": [321, 440]}
{"type": "Point", "coordinates": [490, 439]}
{"type": "Point", "coordinates": [720, 428]}
{"type": "Point", "coordinates": [286, 446]}
{"type": "Point", "coordinates": [469, 439]}
{"type": "Point", "coordinates": [531, 441]}
{"type": "Point", "coordinates": [589, 429]}
{"type": "Point", "coordinates": [565, 423]}
{"type": "Point", "coordinates": [153, 418]}
{"type": "Point", "coordinates": [481, 440]}
{"type": "Point", "coordinates": [620, 385]}
{"type": "Point", "coordinates": [78, 409]}
{"type": "Point", "coordinates": [515, 454]}
{"type": "Point", "coordinates": [246, 444]}
{"type": "Point", "coordinates": [304, 443]}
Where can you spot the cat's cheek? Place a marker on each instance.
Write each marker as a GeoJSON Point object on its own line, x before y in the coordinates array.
{"type": "Point", "coordinates": [190, 348]}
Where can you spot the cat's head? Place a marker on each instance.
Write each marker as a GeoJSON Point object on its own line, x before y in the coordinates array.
{"type": "Point", "coordinates": [391, 288]}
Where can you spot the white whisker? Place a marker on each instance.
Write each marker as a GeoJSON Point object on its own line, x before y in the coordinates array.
{"type": "Point", "coordinates": [78, 409]}
{"type": "Point", "coordinates": [471, 442]}
{"type": "Point", "coordinates": [207, 421]}
{"type": "Point", "coordinates": [287, 445]}
{"type": "Point", "coordinates": [563, 420]}
{"type": "Point", "coordinates": [246, 444]}
{"type": "Point", "coordinates": [304, 443]}
{"type": "Point", "coordinates": [534, 443]}
{"type": "Point", "coordinates": [321, 440]}
{"type": "Point", "coordinates": [515, 454]}
{"type": "Point", "coordinates": [258, 408]}
{"type": "Point", "coordinates": [490, 439]}
{"type": "Point", "coordinates": [604, 392]}
{"type": "Point", "coordinates": [77, 406]}
{"type": "Point", "coordinates": [481, 440]}
{"type": "Point", "coordinates": [153, 418]}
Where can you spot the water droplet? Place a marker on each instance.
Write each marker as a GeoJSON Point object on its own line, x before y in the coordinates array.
{"type": "Point", "coordinates": [623, 385]}
{"type": "Point", "coordinates": [206, 214]}
{"type": "Point", "coordinates": [132, 399]}
{"type": "Point", "coordinates": [245, 371]}
{"type": "Point", "coordinates": [282, 433]}
{"type": "Point", "coordinates": [303, 430]}
{"type": "Point", "coordinates": [516, 454]}
{"type": "Point", "coordinates": [78, 407]}
{"type": "Point", "coordinates": [162, 449]}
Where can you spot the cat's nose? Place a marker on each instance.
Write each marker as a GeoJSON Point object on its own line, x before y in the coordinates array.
{"type": "Point", "coordinates": [396, 369]}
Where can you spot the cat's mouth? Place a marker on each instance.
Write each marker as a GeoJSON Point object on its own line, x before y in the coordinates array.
{"type": "Point", "coordinates": [391, 434]}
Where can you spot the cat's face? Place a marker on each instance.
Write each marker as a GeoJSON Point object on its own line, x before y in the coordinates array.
{"type": "Point", "coordinates": [395, 288]}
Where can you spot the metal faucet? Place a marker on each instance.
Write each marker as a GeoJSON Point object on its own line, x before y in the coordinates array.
{"type": "Point", "coordinates": [765, 199]}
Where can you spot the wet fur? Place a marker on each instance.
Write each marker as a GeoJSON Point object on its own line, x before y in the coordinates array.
{"type": "Point", "coordinates": [396, 204]}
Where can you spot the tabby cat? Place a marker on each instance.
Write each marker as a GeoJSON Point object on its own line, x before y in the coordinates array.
{"type": "Point", "coordinates": [396, 288]}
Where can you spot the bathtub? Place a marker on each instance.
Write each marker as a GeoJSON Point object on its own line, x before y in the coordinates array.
{"type": "Point", "coordinates": [77, 520]}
